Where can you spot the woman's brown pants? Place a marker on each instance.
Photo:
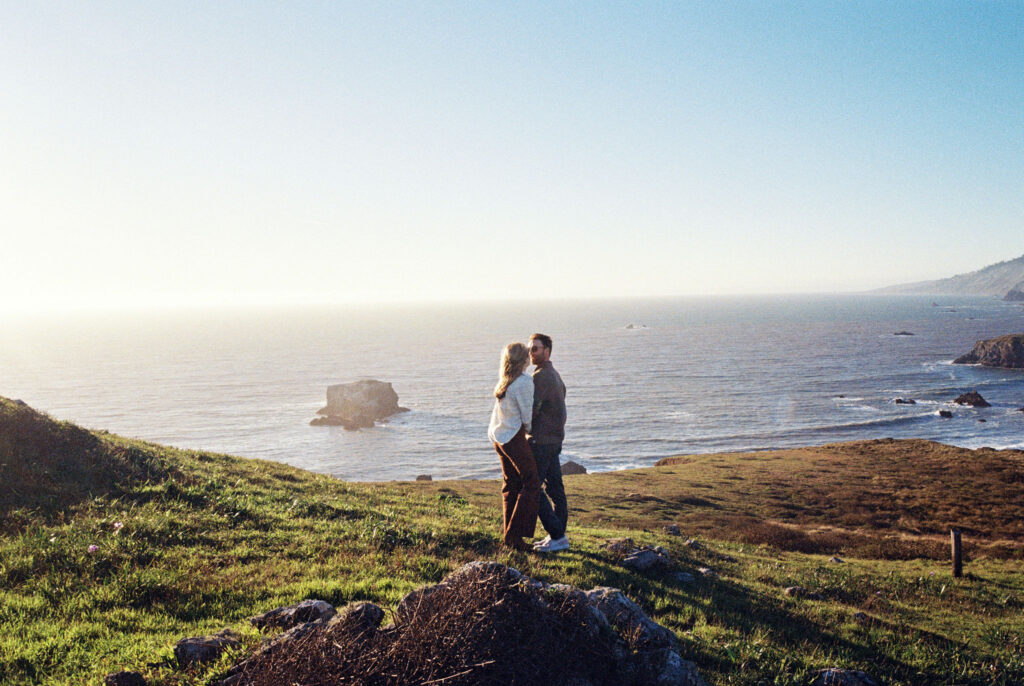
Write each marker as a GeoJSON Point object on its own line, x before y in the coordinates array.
{"type": "Point", "coordinates": [520, 490]}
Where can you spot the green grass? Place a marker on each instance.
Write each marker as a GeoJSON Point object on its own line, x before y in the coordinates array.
{"type": "Point", "coordinates": [209, 540]}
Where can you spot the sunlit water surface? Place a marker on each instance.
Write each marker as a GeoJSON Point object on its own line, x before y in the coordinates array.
{"type": "Point", "coordinates": [692, 375]}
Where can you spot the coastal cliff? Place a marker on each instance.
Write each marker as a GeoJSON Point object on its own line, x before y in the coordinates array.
{"type": "Point", "coordinates": [1004, 351]}
{"type": "Point", "coordinates": [996, 280]}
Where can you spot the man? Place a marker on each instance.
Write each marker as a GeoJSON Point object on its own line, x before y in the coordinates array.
{"type": "Point", "coordinates": [546, 435]}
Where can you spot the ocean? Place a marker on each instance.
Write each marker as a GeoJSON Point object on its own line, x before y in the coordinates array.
{"type": "Point", "coordinates": [646, 378]}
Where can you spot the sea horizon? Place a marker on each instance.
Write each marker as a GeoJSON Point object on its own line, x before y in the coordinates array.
{"type": "Point", "coordinates": [647, 377]}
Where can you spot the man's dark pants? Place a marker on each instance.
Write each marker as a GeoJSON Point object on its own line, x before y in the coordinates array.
{"type": "Point", "coordinates": [549, 470]}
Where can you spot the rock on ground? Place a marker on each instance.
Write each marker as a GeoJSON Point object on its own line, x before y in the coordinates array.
{"type": "Point", "coordinates": [638, 650]}
{"type": "Point", "coordinates": [189, 651]}
{"type": "Point", "coordinates": [124, 679]}
{"type": "Point", "coordinates": [291, 615]}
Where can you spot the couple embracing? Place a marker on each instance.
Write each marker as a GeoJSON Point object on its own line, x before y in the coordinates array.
{"type": "Point", "coordinates": [527, 428]}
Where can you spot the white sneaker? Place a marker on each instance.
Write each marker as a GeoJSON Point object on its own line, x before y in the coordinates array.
{"type": "Point", "coordinates": [544, 541]}
{"type": "Point", "coordinates": [552, 545]}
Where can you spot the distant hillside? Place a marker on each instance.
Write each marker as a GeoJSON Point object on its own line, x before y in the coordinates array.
{"type": "Point", "coordinates": [996, 279]}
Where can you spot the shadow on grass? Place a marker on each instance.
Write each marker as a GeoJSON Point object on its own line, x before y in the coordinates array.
{"type": "Point", "coordinates": [722, 603]}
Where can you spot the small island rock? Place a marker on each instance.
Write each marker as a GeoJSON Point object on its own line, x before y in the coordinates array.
{"type": "Point", "coordinates": [1004, 351]}
{"type": "Point", "coordinates": [358, 405]}
{"type": "Point", "coordinates": [1015, 294]}
{"type": "Point", "coordinates": [973, 399]}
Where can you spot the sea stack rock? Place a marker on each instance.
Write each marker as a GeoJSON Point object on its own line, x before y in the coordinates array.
{"type": "Point", "coordinates": [358, 404]}
{"type": "Point", "coordinates": [973, 399]}
{"type": "Point", "coordinates": [1005, 351]}
{"type": "Point", "coordinates": [1015, 294]}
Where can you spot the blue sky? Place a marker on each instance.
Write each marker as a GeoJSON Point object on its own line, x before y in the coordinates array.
{"type": "Point", "coordinates": [208, 153]}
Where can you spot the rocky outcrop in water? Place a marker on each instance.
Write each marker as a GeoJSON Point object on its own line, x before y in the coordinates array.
{"type": "Point", "coordinates": [1004, 351]}
{"type": "Point", "coordinates": [358, 405]}
{"type": "Point", "coordinates": [973, 399]}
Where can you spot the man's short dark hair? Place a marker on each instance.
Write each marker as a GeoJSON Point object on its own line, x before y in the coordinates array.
{"type": "Point", "coordinates": [544, 340]}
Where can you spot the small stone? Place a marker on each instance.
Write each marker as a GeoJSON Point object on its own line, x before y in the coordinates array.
{"type": "Point", "coordinates": [424, 477]}
{"type": "Point", "coordinates": [707, 572]}
{"type": "Point", "coordinates": [673, 530]}
{"type": "Point", "coordinates": [693, 543]}
{"type": "Point", "coordinates": [836, 560]}
{"type": "Point", "coordinates": [945, 414]}
{"type": "Point", "coordinates": [124, 679]}
{"type": "Point", "coordinates": [795, 591]}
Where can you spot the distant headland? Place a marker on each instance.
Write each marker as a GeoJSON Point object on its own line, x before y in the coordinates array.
{"type": "Point", "coordinates": [1003, 279]}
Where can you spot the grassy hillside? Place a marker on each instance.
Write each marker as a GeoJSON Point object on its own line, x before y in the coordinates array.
{"type": "Point", "coordinates": [883, 498]}
{"type": "Point", "coordinates": [191, 542]}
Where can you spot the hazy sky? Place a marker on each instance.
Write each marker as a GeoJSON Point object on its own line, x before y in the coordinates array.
{"type": "Point", "coordinates": [216, 152]}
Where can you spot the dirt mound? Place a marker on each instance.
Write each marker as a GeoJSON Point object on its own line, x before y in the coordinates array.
{"type": "Point", "coordinates": [485, 624]}
{"type": "Point", "coordinates": [48, 465]}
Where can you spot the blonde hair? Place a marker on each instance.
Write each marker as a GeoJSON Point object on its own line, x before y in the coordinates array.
{"type": "Point", "coordinates": [514, 359]}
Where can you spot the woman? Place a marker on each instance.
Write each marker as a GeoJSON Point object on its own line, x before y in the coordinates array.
{"type": "Point", "coordinates": [510, 420]}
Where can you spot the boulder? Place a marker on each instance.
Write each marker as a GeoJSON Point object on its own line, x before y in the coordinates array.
{"type": "Point", "coordinates": [629, 620]}
{"type": "Point", "coordinates": [903, 333]}
{"type": "Point", "coordinates": [190, 651]}
{"type": "Point", "coordinates": [973, 399]}
{"type": "Point", "coordinates": [1004, 351]}
{"type": "Point", "coordinates": [945, 414]}
{"type": "Point", "coordinates": [424, 477]}
{"type": "Point", "coordinates": [905, 401]}
{"type": "Point", "coordinates": [292, 615]}
{"type": "Point", "coordinates": [358, 404]}
{"type": "Point", "coordinates": [673, 530]}
{"type": "Point", "coordinates": [633, 647]}
{"type": "Point", "coordinates": [571, 467]}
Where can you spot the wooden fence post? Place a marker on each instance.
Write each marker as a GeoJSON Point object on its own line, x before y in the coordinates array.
{"type": "Point", "coordinates": [958, 564]}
